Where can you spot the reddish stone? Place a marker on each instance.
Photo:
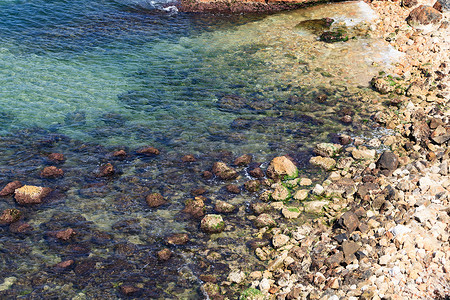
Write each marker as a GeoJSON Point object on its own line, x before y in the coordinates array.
{"type": "Point", "coordinates": [188, 158]}
{"type": "Point", "coordinates": [164, 254]}
{"type": "Point", "coordinates": [198, 192]}
{"type": "Point", "coordinates": [20, 227]}
{"type": "Point", "coordinates": [119, 153]}
{"type": "Point", "coordinates": [232, 188]}
{"type": "Point", "coordinates": [65, 264]}
{"type": "Point", "coordinates": [424, 15]}
{"type": "Point", "coordinates": [128, 290]}
{"type": "Point", "coordinates": [195, 207]}
{"type": "Point", "coordinates": [10, 188]}
{"type": "Point", "coordinates": [106, 170]}
{"type": "Point", "coordinates": [252, 185]}
{"type": "Point", "coordinates": [256, 172]}
{"type": "Point", "coordinates": [207, 175]}
{"type": "Point", "coordinates": [155, 200]}
{"type": "Point", "coordinates": [52, 172]}
{"type": "Point", "coordinates": [10, 215]}
{"type": "Point", "coordinates": [56, 157]}
{"type": "Point", "coordinates": [65, 235]}
{"type": "Point", "coordinates": [221, 170]}
{"type": "Point", "coordinates": [178, 239]}
{"type": "Point", "coordinates": [148, 151]}
{"type": "Point", "coordinates": [29, 194]}
{"type": "Point", "coordinates": [208, 278]}
{"type": "Point", "coordinates": [243, 160]}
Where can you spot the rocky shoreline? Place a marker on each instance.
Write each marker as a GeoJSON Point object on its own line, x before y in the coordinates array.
{"type": "Point", "coordinates": [385, 229]}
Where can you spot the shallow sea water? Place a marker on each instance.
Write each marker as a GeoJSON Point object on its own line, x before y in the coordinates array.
{"type": "Point", "coordinates": [85, 78]}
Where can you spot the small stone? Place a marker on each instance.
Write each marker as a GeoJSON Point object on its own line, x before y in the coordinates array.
{"type": "Point", "coordinates": [52, 172]}
{"type": "Point", "coordinates": [327, 149]}
{"type": "Point", "coordinates": [224, 172]}
{"type": "Point", "coordinates": [281, 193]}
{"type": "Point", "coordinates": [424, 15]}
{"type": "Point", "coordinates": [243, 160]}
{"type": "Point", "coordinates": [256, 172]}
{"type": "Point", "coordinates": [349, 248]}
{"type": "Point", "coordinates": [282, 168]}
{"type": "Point", "coordinates": [409, 3]}
{"type": "Point", "coordinates": [65, 264]}
{"type": "Point", "coordinates": [349, 221]}
{"type": "Point", "coordinates": [252, 185]}
{"type": "Point", "coordinates": [388, 161]}
{"type": "Point", "coordinates": [155, 200]}
{"type": "Point", "coordinates": [236, 276]}
{"type": "Point", "coordinates": [384, 260]}
{"type": "Point", "coordinates": [188, 158]}
{"type": "Point", "coordinates": [318, 190]}
{"type": "Point", "coordinates": [129, 290]}
{"type": "Point", "coordinates": [305, 182]}
{"type": "Point", "coordinates": [119, 153]}
{"type": "Point", "coordinates": [56, 158]}
{"type": "Point", "coordinates": [65, 235]}
{"type": "Point", "coordinates": [178, 239]}
{"type": "Point", "coordinates": [195, 207]}
{"type": "Point", "coordinates": [291, 212]}
{"type": "Point", "coordinates": [164, 254]}
{"type": "Point", "coordinates": [29, 194]}
{"type": "Point", "coordinates": [264, 220]}
{"type": "Point", "coordinates": [224, 207]}
{"type": "Point", "coordinates": [10, 188]}
{"type": "Point", "coordinates": [363, 154]}
{"type": "Point", "coordinates": [9, 216]}
{"type": "Point", "coordinates": [381, 85]}
{"type": "Point", "coordinates": [347, 119]}
{"type": "Point", "coordinates": [212, 223]}
{"type": "Point", "coordinates": [232, 188]}
{"type": "Point", "coordinates": [326, 163]}
{"type": "Point", "coordinates": [207, 175]}
{"type": "Point", "coordinates": [315, 206]}
{"type": "Point", "coordinates": [301, 195]}
{"type": "Point", "coordinates": [106, 170]}
{"type": "Point", "coordinates": [20, 227]}
{"type": "Point", "coordinates": [148, 151]}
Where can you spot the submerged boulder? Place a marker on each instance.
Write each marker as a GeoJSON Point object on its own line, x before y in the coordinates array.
{"type": "Point", "coordinates": [9, 216]}
{"type": "Point", "coordinates": [315, 25]}
{"type": "Point", "coordinates": [10, 188]}
{"type": "Point", "coordinates": [29, 194]}
{"type": "Point", "coordinates": [223, 171]}
{"type": "Point", "coordinates": [155, 200]}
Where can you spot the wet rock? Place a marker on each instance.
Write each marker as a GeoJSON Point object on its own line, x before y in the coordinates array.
{"type": "Point", "coordinates": [252, 185]}
{"type": "Point", "coordinates": [10, 188]}
{"type": "Point", "coordinates": [236, 276]}
{"type": "Point", "coordinates": [224, 172]}
{"type": "Point", "coordinates": [243, 160]}
{"type": "Point", "coordinates": [291, 212]}
{"type": "Point", "coordinates": [29, 194]}
{"type": "Point", "coordinates": [281, 193]}
{"type": "Point", "coordinates": [148, 151]}
{"type": "Point", "coordinates": [195, 207]}
{"type": "Point", "coordinates": [382, 85]}
{"type": "Point", "coordinates": [208, 278]}
{"type": "Point", "coordinates": [363, 153]}
{"type": "Point", "coordinates": [207, 175]}
{"type": "Point", "coordinates": [387, 163]}
{"type": "Point", "coordinates": [224, 207]}
{"type": "Point", "coordinates": [129, 226]}
{"type": "Point", "coordinates": [333, 36]}
{"type": "Point", "coordinates": [259, 207]}
{"type": "Point", "coordinates": [279, 240]}
{"type": "Point", "coordinates": [9, 216]}
{"type": "Point", "coordinates": [349, 221]}
{"type": "Point", "coordinates": [188, 158]}
{"type": "Point", "coordinates": [256, 172]}
{"type": "Point", "coordinates": [345, 139]}
{"type": "Point", "coordinates": [327, 149]}
{"type": "Point", "coordinates": [20, 227]}
{"type": "Point", "coordinates": [212, 224]}
{"type": "Point", "coordinates": [232, 188]}
{"type": "Point", "coordinates": [409, 3]}
{"type": "Point", "coordinates": [65, 235]}
{"type": "Point", "coordinates": [232, 102]}
{"type": "Point", "coordinates": [56, 158]}
{"type": "Point", "coordinates": [177, 239]}
{"type": "Point", "coordinates": [164, 254]}
{"type": "Point", "coordinates": [198, 191]}
{"type": "Point", "coordinates": [315, 25]}
{"type": "Point", "coordinates": [106, 170]}
{"type": "Point", "coordinates": [424, 15]}
{"type": "Point", "coordinates": [325, 163]}
{"type": "Point", "coordinates": [282, 168]}
{"type": "Point", "coordinates": [155, 200]}
{"type": "Point", "coordinates": [52, 172]}
{"type": "Point", "coordinates": [119, 153]}
{"type": "Point", "coordinates": [301, 195]}
{"type": "Point", "coordinates": [264, 220]}
{"type": "Point", "coordinates": [65, 264]}
{"type": "Point", "coordinates": [346, 119]}
{"type": "Point", "coordinates": [85, 267]}
{"type": "Point", "coordinates": [129, 290]}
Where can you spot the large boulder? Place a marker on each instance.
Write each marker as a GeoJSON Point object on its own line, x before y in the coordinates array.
{"type": "Point", "coordinates": [30, 194]}
{"type": "Point", "coordinates": [424, 15]}
{"type": "Point", "coordinates": [282, 167]}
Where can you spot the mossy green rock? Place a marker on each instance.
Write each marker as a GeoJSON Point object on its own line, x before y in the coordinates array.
{"type": "Point", "coordinates": [212, 224]}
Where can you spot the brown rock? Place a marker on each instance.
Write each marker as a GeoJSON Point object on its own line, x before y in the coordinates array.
{"type": "Point", "coordinates": [129, 290]}
{"type": "Point", "coordinates": [9, 216]}
{"type": "Point", "coordinates": [282, 168]}
{"type": "Point", "coordinates": [224, 207]}
{"type": "Point", "coordinates": [155, 200]}
{"type": "Point", "coordinates": [119, 153]}
{"type": "Point", "coordinates": [29, 194]}
{"type": "Point", "coordinates": [409, 3]}
{"type": "Point", "coordinates": [232, 188]}
{"type": "Point", "coordinates": [65, 235]}
{"type": "Point", "coordinates": [148, 151]}
{"type": "Point", "coordinates": [349, 221]}
{"type": "Point", "coordinates": [52, 172]}
{"type": "Point", "coordinates": [347, 119]}
{"type": "Point", "coordinates": [243, 160]}
{"type": "Point", "coordinates": [20, 227]}
{"type": "Point", "coordinates": [195, 207]}
{"type": "Point", "coordinates": [188, 158]}
{"type": "Point", "coordinates": [198, 192]}
{"type": "Point", "coordinates": [256, 172]}
{"type": "Point", "coordinates": [252, 185]}
{"type": "Point", "coordinates": [207, 175]}
{"type": "Point", "coordinates": [10, 188]}
{"type": "Point", "coordinates": [438, 6]}
{"type": "Point", "coordinates": [208, 278]}
{"type": "Point", "coordinates": [65, 264]}
{"type": "Point", "coordinates": [224, 172]}
{"type": "Point", "coordinates": [264, 220]}
{"type": "Point", "coordinates": [106, 170]}
{"type": "Point", "coordinates": [424, 15]}
{"type": "Point", "coordinates": [56, 157]}
{"type": "Point", "coordinates": [178, 239]}
{"type": "Point", "coordinates": [212, 223]}
{"type": "Point", "coordinates": [164, 254]}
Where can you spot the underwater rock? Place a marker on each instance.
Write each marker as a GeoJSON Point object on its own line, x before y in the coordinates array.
{"type": "Point", "coordinates": [20, 227]}
{"type": "Point", "coordinates": [382, 85]}
{"type": "Point", "coordinates": [65, 235]}
{"type": "Point", "coordinates": [164, 254]}
{"type": "Point", "coordinates": [232, 102]}
{"type": "Point", "coordinates": [224, 172]}
{"type": "Point", "coordinates": [291, 212]}
{"type": "Point", "coordinates": [207, 175]}
{"type": "Point", "coordinates": [264, 220]}
{"type": "Point", "coordinates": [252, 185]}
{"type": "Point", "coordinates": [212, 224]}
{"type": "Point", "coordinates": [129, 290]}
{"type": "Point", "coordinates": [260, 208]}
{"type": "Point", "coordinates": [56, 157]}
{"type": "Point", "coordinates": [195, 207]}
{"type": "Point", "coordinates": [119, 153]}
{"type": "Point", "coordinates": [148, 151]}
{"type": "Point", "coordinates": [177, 239]}
{"type": "Point", "coordinates": [29, 194]}
{"type": "Point", "coordinates": [282, 168]}
{"type": "Point", "coordinates": [9, 216]}
{"type": "Point", "coordinates": [347, 119]}
{"type": "Point", "coordinates": [65, 264]}
{"type": "Point", "coordinates": [315, 26]}
{"type": "Point", "coordinates": [51, 172]}
{"type": "Point", "coordinates": [106, 170]}
{"type": "Point", "coordinates": [333, 36]}
{"type": "Point", "coordinates": [243, 160]}
{"type": "Point", "coordinates": [198, 192]}
{"type": "Point", "coordinates": [155, 200]}
{"type": "Point", "coordinates": [232, 188]}
{"type": "Point", "coordinates": [188, 158]}
{"type": "Point", "coordinates": [10, 188]}
{"type": "Point", "coordinates": [256, 172]}
{"type": "Point", "coordinates": [224, 207]}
